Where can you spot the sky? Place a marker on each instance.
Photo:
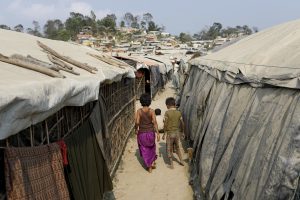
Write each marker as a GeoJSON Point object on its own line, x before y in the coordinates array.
{"type": "Point", "coordinates": [177, 16]}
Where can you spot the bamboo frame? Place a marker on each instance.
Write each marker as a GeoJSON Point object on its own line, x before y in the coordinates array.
{"type": "Point", "coordinates": [120, 104]}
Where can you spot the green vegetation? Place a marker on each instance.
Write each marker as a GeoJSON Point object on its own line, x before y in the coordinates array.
{"type": "Point", "coordinates": [123, 29]}
{"type": "Point", "coordinates": [77, 23]}
{"type": "Point", "coordinates": [212, 32]}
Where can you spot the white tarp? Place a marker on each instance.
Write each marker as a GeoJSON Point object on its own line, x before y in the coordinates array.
{"type": "Point", "coordinates": [166, 61]}
{"type": "Point", "coordinates": [269, 57]}
{"type": "Point", "coordinates": [28, 97]}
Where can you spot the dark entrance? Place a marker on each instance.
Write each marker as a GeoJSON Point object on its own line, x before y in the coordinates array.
{"type": "Point", "coordinates": [146, 73]}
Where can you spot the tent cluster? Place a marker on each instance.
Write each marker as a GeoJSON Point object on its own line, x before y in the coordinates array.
{"type": "Point", "coordinates": [64, 112]}
{"type": "Point", "coordinates": [241, 106]}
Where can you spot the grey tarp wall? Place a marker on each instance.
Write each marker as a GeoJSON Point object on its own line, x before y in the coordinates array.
{"type": "Point", "coordinates": [246, 139]}
{"type": "Point", "coordinates": [241, 105]}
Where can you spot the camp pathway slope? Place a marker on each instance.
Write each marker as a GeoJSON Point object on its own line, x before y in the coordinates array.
{"type": "Point", "coordinates": [133, 182]}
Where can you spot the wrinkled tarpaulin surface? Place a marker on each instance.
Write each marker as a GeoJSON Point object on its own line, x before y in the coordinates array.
{"type": "Point", "coordinates": [28, 97]}
{"type": "Point", "coordinates": [246, 139]}
{"type": "Point", "coordinates": [35, 173]}
{"type": "Point", "coordinates": [269, 57]}
{"type": "Point", "coordinates": [87, 174]}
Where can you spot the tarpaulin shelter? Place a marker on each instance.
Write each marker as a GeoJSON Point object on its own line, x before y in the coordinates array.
{"type": "Point", "coordinates": [241, 106]}
{"type": "Point", "coordinates": [95, 102]}
{"type": "Point", "coordinates": [151, 79]}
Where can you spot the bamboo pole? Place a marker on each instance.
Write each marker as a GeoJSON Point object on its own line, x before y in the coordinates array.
{"type": "Point", "coordinates": [61, 65]}
{"type": "Point", "coordinates": [31, 66]}
{"type": "Point", "coordinates": [106, 60]}
{"type": "Point", "coordinates": [67, 59]}
{"type": "Point", "coordinates": [58, 61]}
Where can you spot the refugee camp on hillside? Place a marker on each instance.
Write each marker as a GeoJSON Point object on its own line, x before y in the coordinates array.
{"type": "Point", "coordinates": [118, 101]}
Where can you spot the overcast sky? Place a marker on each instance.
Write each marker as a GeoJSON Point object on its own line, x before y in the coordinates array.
{"type": "Point", "coordinates": [177, 15]}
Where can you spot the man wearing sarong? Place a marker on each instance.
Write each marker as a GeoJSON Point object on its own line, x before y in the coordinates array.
{"type": "Point", "coordinates": [146, 130]}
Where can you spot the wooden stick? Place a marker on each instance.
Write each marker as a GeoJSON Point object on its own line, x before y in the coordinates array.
{"type": "Point", "coordinates": [121, 62]}
{"type": "Point", "coordinates": [57, 61]}
{"type": "Point", "coordinates": [106, 60]}
{"type": "Point", "coordinates": [31, 66]}
{"type": "Point", "coordinates": [67, 59]}
{"type": "Point", "coordinates": [61, 65]}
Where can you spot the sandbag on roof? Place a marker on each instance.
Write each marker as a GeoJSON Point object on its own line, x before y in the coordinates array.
{"type": "Point", "coordinates": [28, 97]}
{"type": "Point", "coordinates": [269, 57]}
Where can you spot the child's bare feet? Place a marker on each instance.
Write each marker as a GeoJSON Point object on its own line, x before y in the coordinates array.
{"type": "Point", "coordinates": [150, 169]}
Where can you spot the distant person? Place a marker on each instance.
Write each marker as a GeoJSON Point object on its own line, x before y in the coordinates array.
{"type": "Point", "coordinates": [146, 130]}
{"type": "Point", "coordinates": [173, 129]}
{"type": "Point", "coordinates": [160, 120]}
{"type": "Point", "coordinates": [175, 75]}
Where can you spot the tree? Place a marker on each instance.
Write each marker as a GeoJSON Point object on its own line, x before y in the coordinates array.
{"type": "Point", "coordinates": [52, 28]}
{"type": "Point", "coordinates": [63, 35]}
{"type": "Point", "coordinates": [122, 24]}
{"type": "Point", "coordinates": [135, 22]}
{"type": "Point", "coordinates": [36, 29]}
{"type": "Point", "coordinates": [247, 30]}
{"type": "Point", "coordinates": [93, 16]}
{"type": "Point", "coordinates": [147, 17]}
{"type": "Point", "coordinates": [143, 24]}
{"type": "Point", "coordinates": [19, 28]}
{"type": "Point", "coordinates": [153, 27]}
{"type": "Point", "coordinates": [107, 23]}
{"type": "Point", "coordinates": [185, 37]}
{"type": "Point", "coordinates": [74, 24]}
{"type": "Point", "coordinates": [3, 26]}
{"type": "Point", "coordinates": [128, 18]}
{"type": "Point", "coordinates": [214, 30]}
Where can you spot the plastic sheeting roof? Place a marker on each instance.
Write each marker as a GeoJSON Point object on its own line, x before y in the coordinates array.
{"type": "Point", "coordinates": [269, 57]}
{"type": "Point", "coordinates": [28, 97]}
{"type": "Point", "coordinates": [164, 60]}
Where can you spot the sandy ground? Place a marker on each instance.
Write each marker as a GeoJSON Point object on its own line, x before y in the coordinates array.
{"type": "Point", "coordinates": [133, 182]}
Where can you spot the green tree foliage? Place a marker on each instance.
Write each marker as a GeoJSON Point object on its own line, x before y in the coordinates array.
{"type": "Point", "coordinates": [128, 18]}
{"type": "Point", "coordinates": [19, 28]}
{"type": "Point", "coordinates": [147, 17]}
{"type": "Point", "coordinates": [107, 24]}
{"type": "Point", "coordinates": [35, 30]}
{"type": "Point", "coordinates": [214, 31]}
{"type": "Point", "coordinates": [63, 34]}
{"type": "Point", "coordinates": [122, 24]}
{"type": "Point", "coordinates": [77, 23]}
{"type": "Point", "coordinates": [153, 27]}
{"type": "Point", "coordinates": [143, 25]}
{"type": "Point", "coordinates": [3, 26]}
{"type": "Point", "coordinates": [135, 23]}
{"type": "Point", "coordinates": [210, 33]}
{"type": "Point", "coordinates": [52, 27]}
{"type": "Point", "coordinates": [185, 37]}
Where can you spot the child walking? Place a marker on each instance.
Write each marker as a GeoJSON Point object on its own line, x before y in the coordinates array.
{"type": "Point", "coordinates": [173, 129]}
{"type": "Point", "coordinates": [146, 130]}
{"type": "Point", "coordinates": [159, 119]}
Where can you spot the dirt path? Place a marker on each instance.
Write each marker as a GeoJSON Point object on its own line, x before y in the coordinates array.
{"type": "Point", "coordinates": [133, 182]}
